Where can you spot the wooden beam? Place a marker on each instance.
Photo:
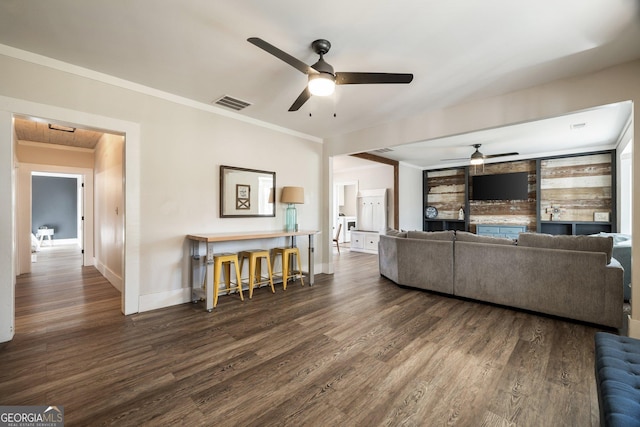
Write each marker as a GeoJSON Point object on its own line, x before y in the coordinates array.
{"type": "Point", "coordinates": [396, 182]}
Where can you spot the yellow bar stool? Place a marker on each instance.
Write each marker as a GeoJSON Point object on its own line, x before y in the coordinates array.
{"type": "Point", "coordinates": [221, 260]}
{"type": "Point", "coordinates": [255, 257]}
{"type": "Point", "coordinates": [286, 273]}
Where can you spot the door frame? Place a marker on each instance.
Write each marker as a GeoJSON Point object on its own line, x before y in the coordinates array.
{"type": "Point", "coordinates": [24, 220]}
{"type": "Point", "coordinates": [131, 159]}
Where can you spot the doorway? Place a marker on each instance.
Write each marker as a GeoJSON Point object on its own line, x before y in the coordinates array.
{"type": "Point", "coordinates": [57, 213]}
{"type": "Point", "coordinates": [54, 157]}
{"type": "Point", "coordinates": [9, 192]}
{"type": "Point", "coordinates": [344, 211]}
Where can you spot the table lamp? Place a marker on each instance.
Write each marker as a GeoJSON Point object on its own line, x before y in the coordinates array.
{"type": "Point", "coordinates": [292, 196]}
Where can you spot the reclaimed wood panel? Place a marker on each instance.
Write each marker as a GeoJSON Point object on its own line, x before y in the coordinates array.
{"type": "Point", "coordinates": [505, 212]}
{"type": "Point", "coordinates": [446, 191]}
{"type": "Point", "coordinates": [580, 186]}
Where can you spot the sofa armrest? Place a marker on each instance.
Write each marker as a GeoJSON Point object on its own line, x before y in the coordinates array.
{"type": "Point", "coordinates": [388, 256]}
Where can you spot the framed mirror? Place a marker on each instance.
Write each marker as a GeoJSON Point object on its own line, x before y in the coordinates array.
{"type": "Point", "coordinates": [246, 192]}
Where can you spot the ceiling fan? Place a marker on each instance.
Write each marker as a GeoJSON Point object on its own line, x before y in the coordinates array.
{"type": "Point", "coordinates": [322, 78]}
{"type": "Point", "coordinates": [477, 158]}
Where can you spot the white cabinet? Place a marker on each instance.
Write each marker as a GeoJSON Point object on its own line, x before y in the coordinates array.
{"type": "Point", "coordinates": [372, 210]}
{"type": "Point", "coordinates": [365, 241]}
{"type": "Point", "coordinates": [357, 240]}
{"type": "Point", "coordinates": [371, 242]}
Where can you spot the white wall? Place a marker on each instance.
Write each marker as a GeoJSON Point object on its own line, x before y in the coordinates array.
{"type": "Point", "coordinates": [410, 198]}
{"type": "Point", "coordinates": [625, 181]}
{"type": "Point", "coordinates": [7, 227]}
{"type": "Point", "coordinates": [109, 208]}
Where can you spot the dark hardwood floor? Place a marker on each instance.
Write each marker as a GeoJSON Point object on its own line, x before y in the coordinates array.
{"type": "Point", "coordinates": [353, 350]}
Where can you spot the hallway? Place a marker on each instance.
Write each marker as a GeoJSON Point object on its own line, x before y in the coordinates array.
{"type": "Point", "coordinates": [60, 291]}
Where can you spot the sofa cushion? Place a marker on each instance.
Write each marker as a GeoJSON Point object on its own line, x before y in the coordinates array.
{"type": "Point", "coordinates": [395, 233]}
{"type": "Point", "coordinates": [448, 235]}
{"type": "Point", "coordinates": [570, 243]}
{"type": "Point", "coordinates": [464, 236]}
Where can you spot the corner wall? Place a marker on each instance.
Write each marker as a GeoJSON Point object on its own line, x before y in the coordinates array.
{"type": "Point", "coordinates": [109, 212]}
{"type": "Point", "coordinates": [7, 227]}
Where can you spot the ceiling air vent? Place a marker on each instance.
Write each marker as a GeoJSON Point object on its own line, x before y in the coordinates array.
{"type": "Point", "coordinates": [233, 103]}
{"type": "Point", "coordinates": [382, 150]}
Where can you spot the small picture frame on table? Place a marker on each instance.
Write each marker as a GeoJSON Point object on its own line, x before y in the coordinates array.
{"type": "Point", "coordinates": [243, 199]}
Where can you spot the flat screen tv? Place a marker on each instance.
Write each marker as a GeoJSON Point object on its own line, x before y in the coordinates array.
{"type": "Point", "coordinates": [503, 186]}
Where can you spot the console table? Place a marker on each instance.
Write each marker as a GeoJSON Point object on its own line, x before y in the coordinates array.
{"type": "Point", "coordinates": [210, 239]}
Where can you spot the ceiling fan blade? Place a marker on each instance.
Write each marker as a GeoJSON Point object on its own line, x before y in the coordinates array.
{"type": "Point", "coordinates": [490, 156]}
{"type": "Point", "coordinates": [456, 159]}
{"type": "Point", "coordinates": [372, 78]}
{"type": "Point", "coordinates": [282, 55]}
{"type": "Point", "coordinates": [302, 98]}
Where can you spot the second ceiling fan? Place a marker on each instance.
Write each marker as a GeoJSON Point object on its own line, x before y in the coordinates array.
{"type": "Point", "coordinates": [477, 158]}
{"type": "Point", "coordinates": [322, 78]}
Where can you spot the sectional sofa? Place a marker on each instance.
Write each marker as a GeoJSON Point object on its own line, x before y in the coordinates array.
{"type": "Point", "coordinates": [568, 276]}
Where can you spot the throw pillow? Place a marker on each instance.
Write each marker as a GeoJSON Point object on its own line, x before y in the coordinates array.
{"type": "Point", "coordinates": [464, 236]}
{"type": "Point", "coordinates": [431, 235]}
{"type": "Point", "coordinates": [395, 233]}
{"type": "Point", "coordinates": [571, 243]}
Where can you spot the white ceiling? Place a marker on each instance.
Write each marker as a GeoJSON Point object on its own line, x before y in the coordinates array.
{"type": "Point", "coordinates": [457, 50]}
{"type": "Point", "coordinates": [589, 130]}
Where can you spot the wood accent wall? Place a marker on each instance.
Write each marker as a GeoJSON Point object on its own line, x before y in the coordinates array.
{"type": "Point", "coordinates": [505, 212]}
{"type": "Point", "coordinates": [579, 186]}
{"type": "Point", "coordinates": [446, 192]}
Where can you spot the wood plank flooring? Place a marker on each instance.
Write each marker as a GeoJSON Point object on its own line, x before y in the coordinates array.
{"type": "Point", "coordinates": [353, 350]}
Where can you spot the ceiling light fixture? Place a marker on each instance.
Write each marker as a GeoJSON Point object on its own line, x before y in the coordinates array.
{"type": "Point", "coordinates": [477, 158]}
{"type": "Point", "coordinates": [61, 128]}
{"type": "Point", "coordinates": [322, 84]}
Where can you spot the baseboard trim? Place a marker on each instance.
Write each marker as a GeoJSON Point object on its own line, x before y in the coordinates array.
{"type": "Point", "coordinates": [113, 278]}
{"type": "Point", "coordinates": [164, 299]}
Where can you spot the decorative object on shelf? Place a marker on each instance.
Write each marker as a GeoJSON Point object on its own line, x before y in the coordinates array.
{"type": "Point", "coordinates": [461, 214]}
{"type": "Point", "coordinates": [601, 216]}
{"type": "Point", "coordinates": [431, 212]}
{"type": "Point", "coordinates": [555, 213]}
{"type": "Point", "coordinates": [292, 196]}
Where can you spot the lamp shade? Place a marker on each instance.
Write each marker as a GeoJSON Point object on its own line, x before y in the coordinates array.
{"type": "Point", "coordinates": [292, 195]}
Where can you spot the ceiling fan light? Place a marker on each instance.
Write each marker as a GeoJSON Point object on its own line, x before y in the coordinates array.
{"type": "Point", "coordinates": [322, 84]}
{"type": "Point", "coordinates": [477, 158]}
